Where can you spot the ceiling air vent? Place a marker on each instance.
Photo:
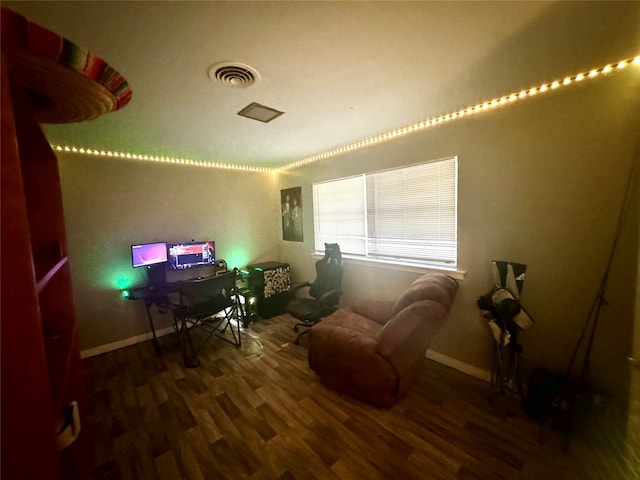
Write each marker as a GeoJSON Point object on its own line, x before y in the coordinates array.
{"type": "Point", "coordinates": [255, 111]}
{"type": "Point", "coordinates": [232, 74]}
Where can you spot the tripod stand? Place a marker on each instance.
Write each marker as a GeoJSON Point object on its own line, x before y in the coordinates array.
{"type": "Point", "coordinates": [505, 368]}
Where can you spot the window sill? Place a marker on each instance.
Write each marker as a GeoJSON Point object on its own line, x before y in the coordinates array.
{"type": "Point", "coordinates": [398, 266]}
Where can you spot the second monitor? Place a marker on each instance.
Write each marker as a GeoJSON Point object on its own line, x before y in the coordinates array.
{"type": "Point", "coordinates": [191, 255]}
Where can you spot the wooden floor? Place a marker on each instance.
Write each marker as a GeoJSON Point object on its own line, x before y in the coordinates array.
{"type": "Point", "coordinates": [259, 412]}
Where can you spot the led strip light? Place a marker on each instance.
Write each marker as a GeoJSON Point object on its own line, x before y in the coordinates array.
{"type": "Point", "coordinates": [390, 135]}
{"type": "Point", "coordinates": [156, 158]}
{"type": "Point", "coordinates": [480, 107]}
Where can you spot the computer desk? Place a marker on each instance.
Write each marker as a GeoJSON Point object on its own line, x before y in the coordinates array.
{"type": "Point", "coordinates": [161, 296]}
{"type": "Point", "coordinates": [158, 295]}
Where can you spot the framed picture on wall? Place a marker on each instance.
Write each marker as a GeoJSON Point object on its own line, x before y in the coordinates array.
{"type": "Point", "coordinates": [291, 208]}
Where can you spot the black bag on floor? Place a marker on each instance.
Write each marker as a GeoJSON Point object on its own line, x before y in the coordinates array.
{"type": "Point", "coordinates": [543, 393]}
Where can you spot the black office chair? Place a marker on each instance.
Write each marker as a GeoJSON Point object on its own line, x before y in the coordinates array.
{"type": "Point", "coordinates": [209, 304]}
{"type": "Point", "coordinates": [324, 292]}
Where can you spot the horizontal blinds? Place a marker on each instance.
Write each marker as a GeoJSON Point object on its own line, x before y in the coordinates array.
{"type": "Point", "coordinates": [406, 214]}
{"type": "Point", "coordinates": [339, 214]}
{"type": "Point", "coordinates": [412, 212]}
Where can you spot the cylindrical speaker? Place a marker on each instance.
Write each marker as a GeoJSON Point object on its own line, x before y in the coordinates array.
{"type": "Point", "coordinates": [221, 266]}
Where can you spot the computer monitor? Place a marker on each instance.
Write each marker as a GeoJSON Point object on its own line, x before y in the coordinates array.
{"type": "Point", "coordinates": [191, 255]}
{"type": "Point", "coordinates": [145, 254]}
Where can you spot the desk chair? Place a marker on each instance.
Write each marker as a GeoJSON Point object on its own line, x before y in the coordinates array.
{"type": "Point", "coordinates": [209, 304]}
{"type": "Point", "coordinates": [324, 292]}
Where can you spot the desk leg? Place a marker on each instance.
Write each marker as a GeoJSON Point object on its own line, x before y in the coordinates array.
{"type": "Point", "coordinates": [153, 328]}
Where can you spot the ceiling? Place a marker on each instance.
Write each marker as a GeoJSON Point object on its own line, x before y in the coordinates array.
{"type": "Point", "coordinates": [341, 71]}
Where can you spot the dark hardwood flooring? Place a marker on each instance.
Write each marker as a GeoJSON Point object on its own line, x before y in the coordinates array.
{"type": "Point", "coordinates": [259, 412]}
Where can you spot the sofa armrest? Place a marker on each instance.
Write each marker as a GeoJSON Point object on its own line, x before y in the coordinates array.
{"type": "Point", "coordinates": [377, 310]}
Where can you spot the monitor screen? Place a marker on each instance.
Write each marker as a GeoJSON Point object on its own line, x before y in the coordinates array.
{"type": "Point", "coordinates": [191, 255]}
{"type": "Point", "coordinates": [148, 254]}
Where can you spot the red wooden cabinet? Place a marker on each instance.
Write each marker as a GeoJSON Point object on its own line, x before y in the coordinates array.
{"type": "Point", "coordinates": [45, 78]}
{"type": "Point", "coordinates": [40, 358]}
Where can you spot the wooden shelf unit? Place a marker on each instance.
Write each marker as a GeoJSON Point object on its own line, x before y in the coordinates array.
{"type": "Point", "coordinates": [40, 356]}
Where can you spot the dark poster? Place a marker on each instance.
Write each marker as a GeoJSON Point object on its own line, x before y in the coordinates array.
{"type": "Point", "coordinates": [291, 208]}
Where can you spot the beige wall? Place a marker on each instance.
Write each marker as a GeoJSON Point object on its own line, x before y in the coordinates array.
{"type": "Point", "coordinates": [110, 204]}
{"type": "Point", "coordinates": [540, 182]}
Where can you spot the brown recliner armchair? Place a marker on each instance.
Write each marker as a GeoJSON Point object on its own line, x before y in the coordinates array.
{"type": "Point", "coordinates": [375, 351]}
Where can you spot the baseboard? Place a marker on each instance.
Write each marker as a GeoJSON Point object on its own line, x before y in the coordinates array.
{"type": "Point", "coordinates": [458, 365]}
{"type": "Point", "coordinates": [125, 342]}
{"type": "Point", "coordinates": [430, 354]}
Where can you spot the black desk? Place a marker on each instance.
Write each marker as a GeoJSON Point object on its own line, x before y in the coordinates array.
{"type": "Point", "coordinates": [155, 295]}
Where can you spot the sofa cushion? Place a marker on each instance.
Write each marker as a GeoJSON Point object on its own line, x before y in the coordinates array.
{"type": "Point", "coordinates": [349, 320]}
{"type": "Point", "coordinates": [377, 310]}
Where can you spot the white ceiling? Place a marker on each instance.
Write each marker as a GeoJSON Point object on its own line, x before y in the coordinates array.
{"type": "Point", "coordinates": [341, 71]}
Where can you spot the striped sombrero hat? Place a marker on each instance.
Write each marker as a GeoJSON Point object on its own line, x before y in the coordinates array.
{"type": "Point", "coordinates": [64, 82]}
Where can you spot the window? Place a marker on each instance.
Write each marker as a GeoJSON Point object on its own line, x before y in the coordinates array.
{"type": "Point", "coordinates": [403, 215]}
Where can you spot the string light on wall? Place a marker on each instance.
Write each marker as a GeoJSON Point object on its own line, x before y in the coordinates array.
{"type": "Point", "coordinates": [160, 159]}
{"type": "Point", "coordinates": [383, 137]}
{"type": "Point", "coordinates": [480, 107]}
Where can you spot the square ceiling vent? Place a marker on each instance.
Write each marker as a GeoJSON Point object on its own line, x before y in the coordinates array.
{"type": "Point", "coordinates": [259, 112]}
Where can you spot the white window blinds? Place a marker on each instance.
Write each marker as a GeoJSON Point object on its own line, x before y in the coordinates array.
{"type": "Point", "coordinates": [405, 215]}
{"type": "Point", "coordinates": [339, 214]}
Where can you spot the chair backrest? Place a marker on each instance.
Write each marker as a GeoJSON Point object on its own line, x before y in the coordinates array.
{"type": "Point", "coordinates": [207, 296]}
{"type": "Point", "coordinates": [328, 274]}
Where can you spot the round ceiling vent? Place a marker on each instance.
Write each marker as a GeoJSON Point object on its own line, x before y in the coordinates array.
{"type": "Point", "coordinates": [232, 74]}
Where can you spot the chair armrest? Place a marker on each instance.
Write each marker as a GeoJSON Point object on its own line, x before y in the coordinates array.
{"type": "Point", "coordinates": [377, 310]}
{"type": "Point", "coordinates": [295, 288]}
{"type": "Point", "coordinates": [325, 298]}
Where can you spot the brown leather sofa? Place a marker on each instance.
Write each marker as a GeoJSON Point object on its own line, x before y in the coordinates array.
{"type": "Point", "coordinates": [375, 351]}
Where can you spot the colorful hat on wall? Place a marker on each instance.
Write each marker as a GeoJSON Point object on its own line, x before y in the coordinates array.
{"type": "Point", "coordinates": [64, 82]}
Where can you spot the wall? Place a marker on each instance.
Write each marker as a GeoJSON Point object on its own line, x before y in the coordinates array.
{"type": "Point", "coordinates": [112, 203]}
{"type": "Point", "coordinates": [541, 182]}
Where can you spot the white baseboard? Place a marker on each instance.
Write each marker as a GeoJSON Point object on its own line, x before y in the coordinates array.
{"type": "Point", "coordinates": [458, 365]}
{"type": "Point", "coordinates": [430, 354]}
{"type": "Point", "coordinates": [125, 342]}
